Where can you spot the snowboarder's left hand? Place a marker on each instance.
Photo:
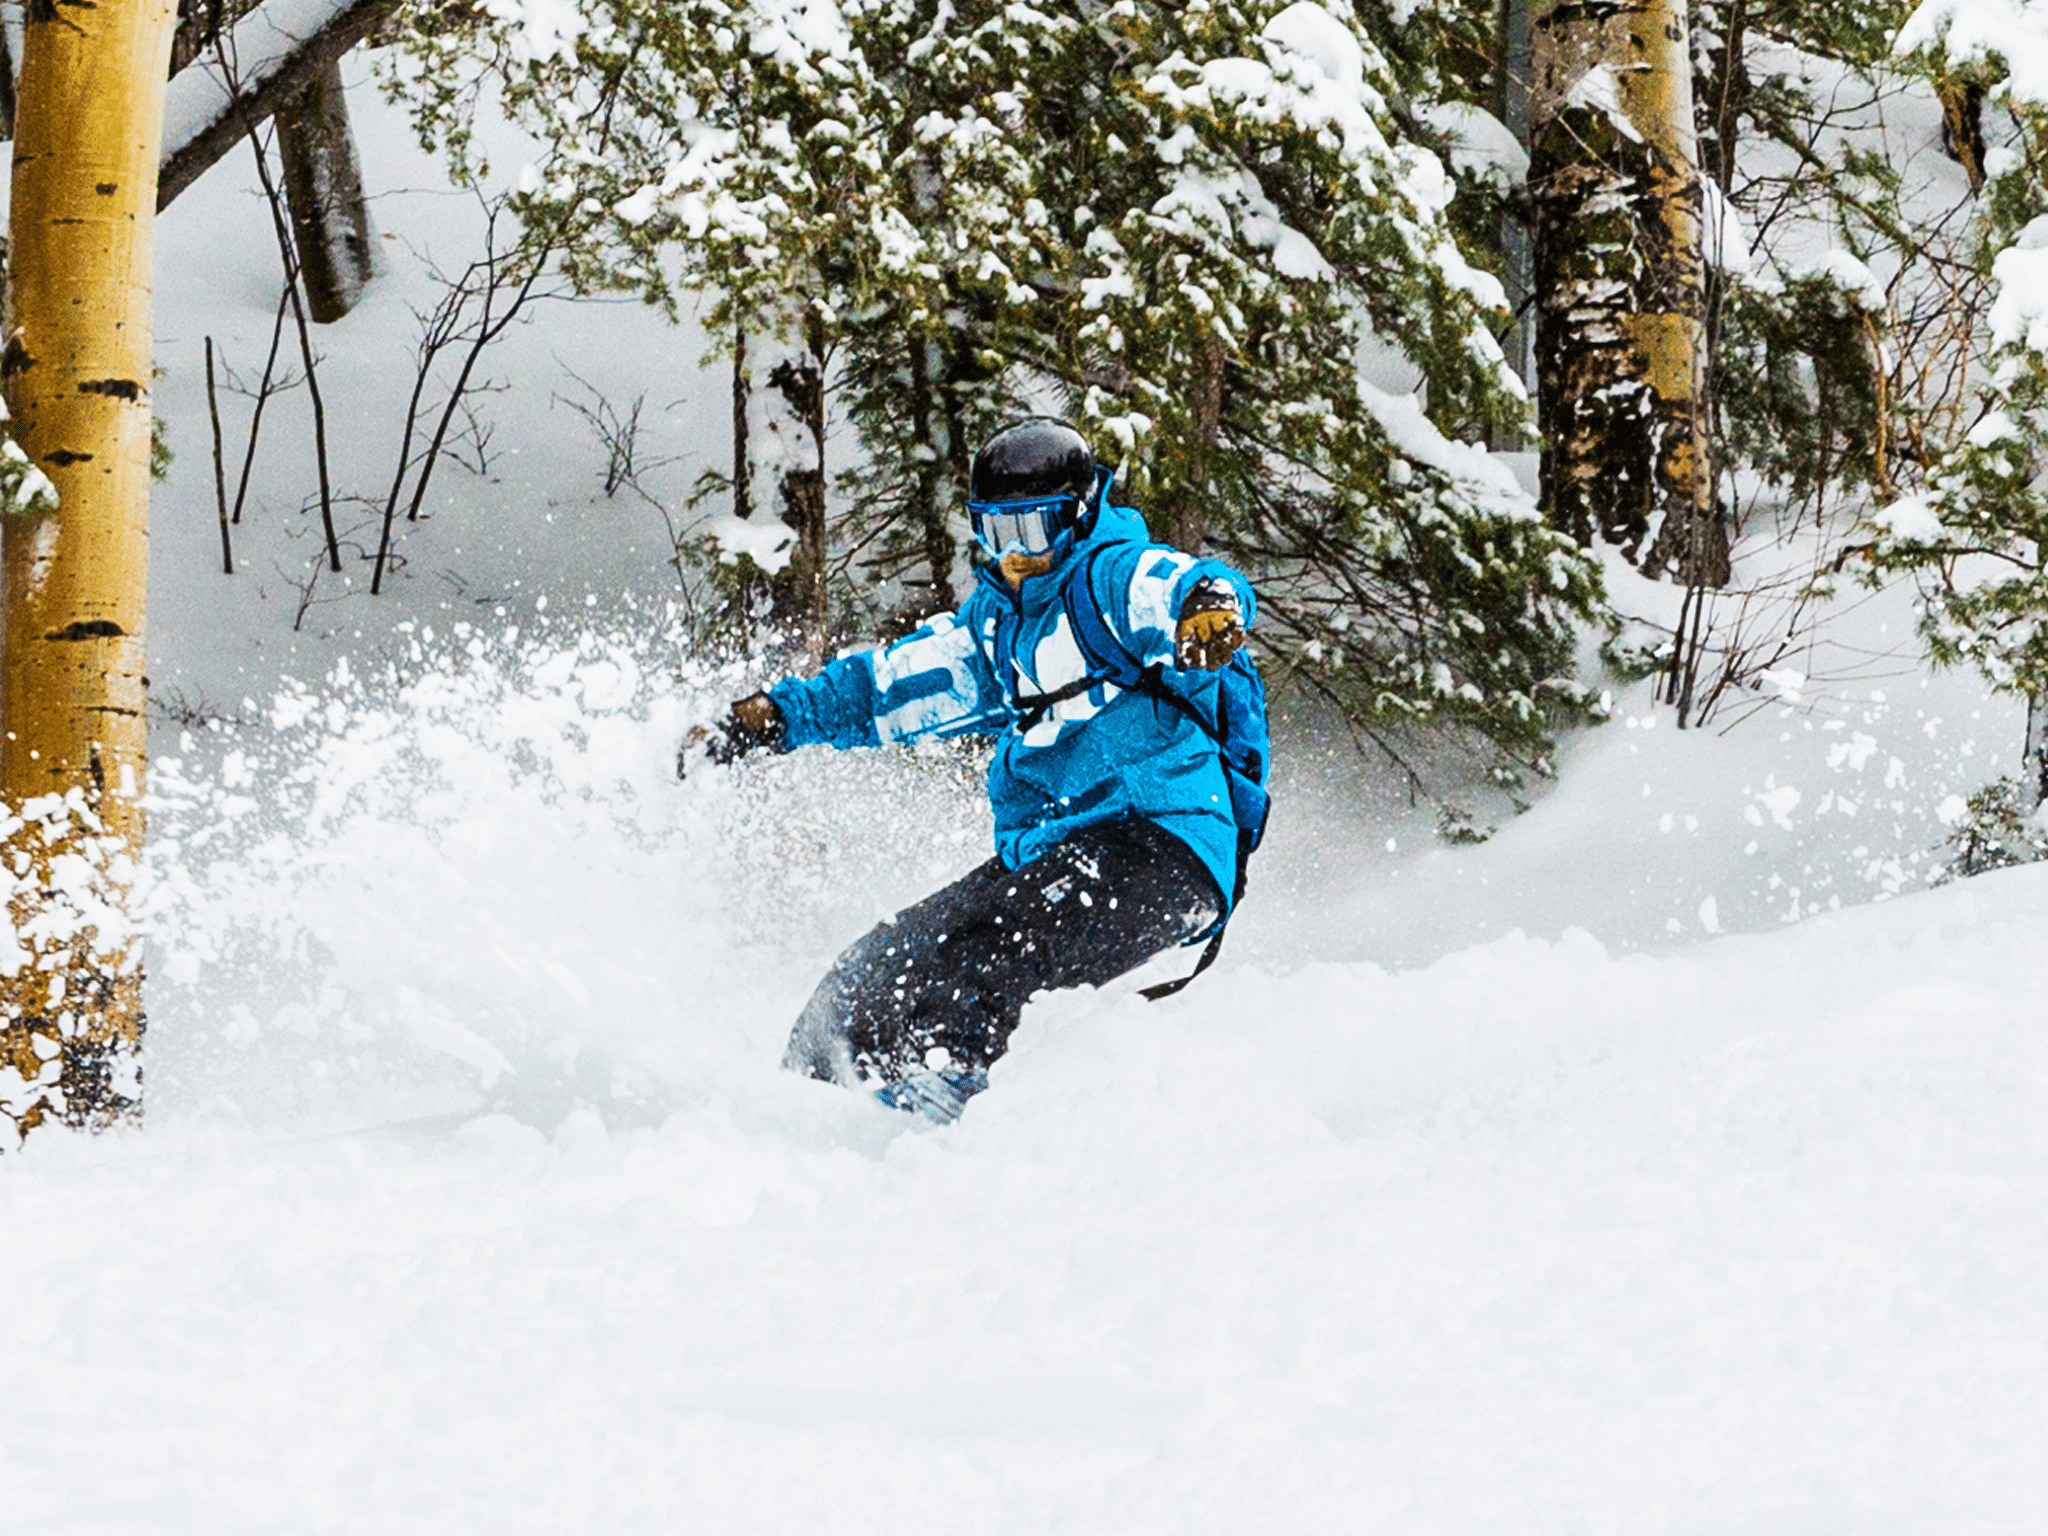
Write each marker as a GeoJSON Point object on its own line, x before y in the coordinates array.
{"type": "Point", "coordinates": [1211, 627]}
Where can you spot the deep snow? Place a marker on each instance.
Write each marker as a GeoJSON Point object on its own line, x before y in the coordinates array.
{"type": "Point", "coordinates": [1560, 1184]}
{"type": "Point", "coordinates": [1743, 1237]}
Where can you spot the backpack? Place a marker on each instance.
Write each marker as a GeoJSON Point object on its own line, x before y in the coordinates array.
{"type": "Point", "coordinates": [1238, 728]}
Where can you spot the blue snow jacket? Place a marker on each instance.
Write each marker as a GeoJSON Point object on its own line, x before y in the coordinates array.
{"type": "Point", "coordinates": [1101, 755]}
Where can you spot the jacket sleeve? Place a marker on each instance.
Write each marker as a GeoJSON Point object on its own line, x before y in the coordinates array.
{"type": "Point", "coordinates": [1139, 589]}
{"type": "Point", "coordinates": [933, 683]}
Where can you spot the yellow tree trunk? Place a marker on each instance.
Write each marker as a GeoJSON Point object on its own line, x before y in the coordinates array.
{"type": "Point", "coordinates": [1620, 331]}
{"type": "Point", "coordinates": [77, 372]}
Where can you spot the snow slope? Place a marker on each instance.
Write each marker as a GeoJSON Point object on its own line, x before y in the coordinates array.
{"type": "Point", "coordinates": [472, 1198]}
{"type": "Point", "coordinates": [1539, 1237]}
{"type": "Point", "coordinates": [1554, 1185]}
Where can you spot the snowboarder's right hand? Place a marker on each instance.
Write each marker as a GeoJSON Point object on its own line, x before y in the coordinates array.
{"type": "Point", "coordinates": [752, 724]}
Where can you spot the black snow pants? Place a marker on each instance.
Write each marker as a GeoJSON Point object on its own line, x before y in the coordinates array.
{"type": "Point", "coordinates": [952, 973]}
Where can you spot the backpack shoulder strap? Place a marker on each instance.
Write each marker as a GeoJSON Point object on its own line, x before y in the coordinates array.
{"type": "Point", "coordinates": [1100, 648]}
{"type": "Point", "coordinates": [1106, 658]}
{"type": "Point", "coordinates": [1214, 947]}
{"type": "Point", "coordinates": [1105, 655]}
{"type": "Point", "coordinates": [1031, 708]}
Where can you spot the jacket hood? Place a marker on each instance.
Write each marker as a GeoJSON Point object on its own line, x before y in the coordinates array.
{"type": "Point", "coordinates": [1113, 524]}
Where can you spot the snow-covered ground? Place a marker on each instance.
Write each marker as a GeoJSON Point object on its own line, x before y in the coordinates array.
{"type": "Point", "coordinates": [1560, 1184]}
{"type": "Point", "coordinates": [1741, 1236]}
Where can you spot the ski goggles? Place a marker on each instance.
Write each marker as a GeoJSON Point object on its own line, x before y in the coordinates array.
{"type": "Point", "coordinates": [1031, 527]}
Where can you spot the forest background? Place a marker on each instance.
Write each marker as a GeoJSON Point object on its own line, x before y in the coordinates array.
{"type": "Point", "coordinates": [1296, 269]}
{"type": "Point", "coordinates": [1299, 269]}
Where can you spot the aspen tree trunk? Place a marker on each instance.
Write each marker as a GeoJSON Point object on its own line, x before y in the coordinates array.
{"type": "Point", "coordinates": [1621, 360]}
{"type": "Point", "coordinates": [323, 187]}
{"type": "Point", "coordinates": [77, 370]}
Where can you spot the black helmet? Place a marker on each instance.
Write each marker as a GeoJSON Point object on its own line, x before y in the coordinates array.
{"type": "Point", "coordinates": [1040, 456]}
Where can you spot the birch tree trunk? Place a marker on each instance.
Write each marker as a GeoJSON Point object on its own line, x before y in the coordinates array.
{"type": "Point", "coordinates": [77, 371]}
{"type": "Point", "coordinates": [323, 187]}
{"type": "Point", "coordinates": [1620, 355]}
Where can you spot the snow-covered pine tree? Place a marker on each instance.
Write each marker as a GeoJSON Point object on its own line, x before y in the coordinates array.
{"type": "Point", "coordinates": [1188, 221]}
{"type": "Point", "coordinates": [853, 232]}
{"type": "Point", "coordinates": [1976, 535]}
{"type": "Point", "coordinates": [1247, 220]}
{"type": "Point", "coordinates": [964, 259]}
{"type": "Point", "coordinates": [1841, 341]}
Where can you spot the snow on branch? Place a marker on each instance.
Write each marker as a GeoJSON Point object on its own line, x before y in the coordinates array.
{"type": "Point", "coordinates": [2013, 30]}
{"type": "Point", "coordinates": [270, 56]}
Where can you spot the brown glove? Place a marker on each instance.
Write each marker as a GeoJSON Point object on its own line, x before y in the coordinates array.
{"type": "Point", "coordinates": [1211, 627]}
{"type": "Point", "coordinates": [752, 724]}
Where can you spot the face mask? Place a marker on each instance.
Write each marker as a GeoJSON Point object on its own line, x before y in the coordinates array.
{"type": "Point", "coordinates": [1022, 527]}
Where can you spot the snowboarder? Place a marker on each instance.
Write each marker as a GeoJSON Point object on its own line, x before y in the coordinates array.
{"type": "Point", "coordinates": [1127, 785]}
